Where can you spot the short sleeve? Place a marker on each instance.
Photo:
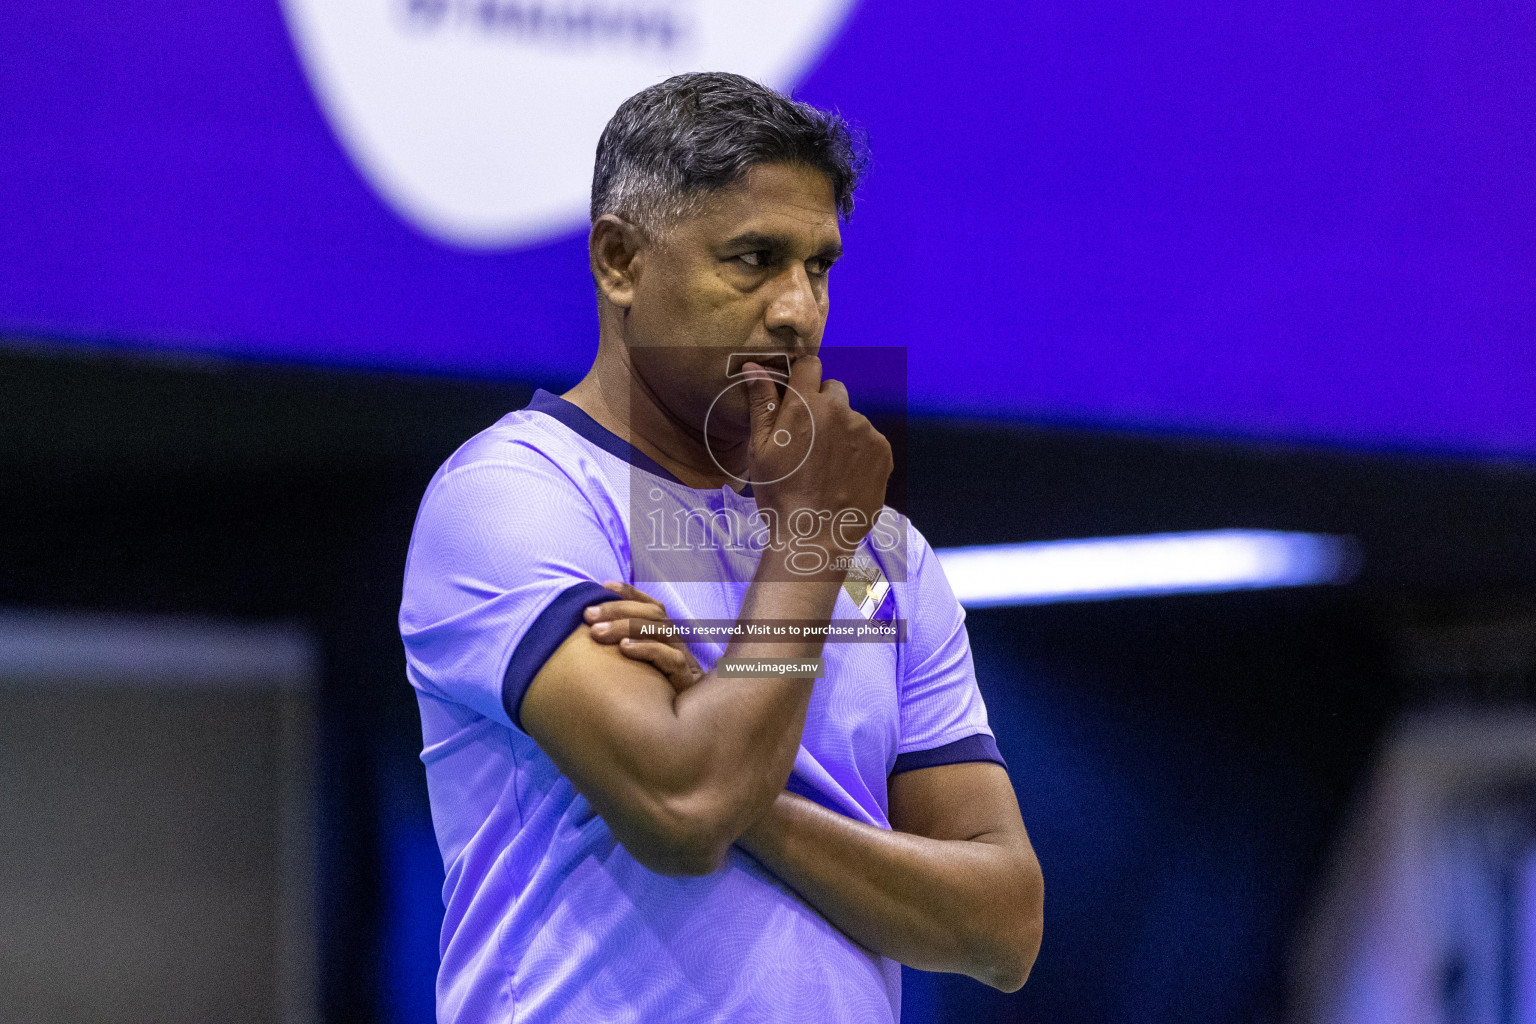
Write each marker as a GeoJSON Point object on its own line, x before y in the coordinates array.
{"type": "Point", "coordinates": [943, 718]}
{"type": "Point", "coordinates": [505, 555]}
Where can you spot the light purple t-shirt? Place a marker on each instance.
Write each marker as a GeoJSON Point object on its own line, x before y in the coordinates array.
{"type": "Point", "coordinates": [548, 918]}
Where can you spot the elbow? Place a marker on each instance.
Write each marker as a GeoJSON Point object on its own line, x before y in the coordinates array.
{"type": "Point", "coordinates": [1018, 944]}
{"type": "Point", "coordinates": [1010, 974]}
{"type": "Point", "coordinates": [1016, 958]}
{"type": "Point", "coordinates": [684, 838]}
{"type": "Point", "coordinates": [1010, 982]}
{"type": "Point", "coordinates": [680, 857]}
{"type": "Point", "coordinates": [686, 827]}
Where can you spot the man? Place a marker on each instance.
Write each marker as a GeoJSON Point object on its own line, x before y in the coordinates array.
{"type": "Point", "coordinates": [627, 835]}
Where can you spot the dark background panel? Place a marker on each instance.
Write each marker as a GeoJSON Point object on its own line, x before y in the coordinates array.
{"type": "Point", "coordinates": [1182, 763]}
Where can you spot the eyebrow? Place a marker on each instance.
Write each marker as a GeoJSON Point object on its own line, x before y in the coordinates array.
{"type": "Point", "coordinates": [777, 243]}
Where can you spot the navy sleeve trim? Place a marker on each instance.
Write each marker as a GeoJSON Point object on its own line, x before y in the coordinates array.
{"type": "Point", "coordinates": [980, 747]}
{"type": "Point", "coordinates": [548, 632]}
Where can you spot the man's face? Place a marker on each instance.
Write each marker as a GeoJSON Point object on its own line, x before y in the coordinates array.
{"type": "Point", "coordinates": [747, 274]}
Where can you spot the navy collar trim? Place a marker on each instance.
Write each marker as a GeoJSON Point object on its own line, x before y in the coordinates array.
{"type": "Point", "coordinates": [576, 418]}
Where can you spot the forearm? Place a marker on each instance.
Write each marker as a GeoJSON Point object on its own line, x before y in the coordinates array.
{"type": "Point", "coordinates": [737, 738]}
{"type": "Point", "coordinates": [970, 907]}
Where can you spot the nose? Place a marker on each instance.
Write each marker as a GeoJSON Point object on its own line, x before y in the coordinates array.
{"type": "Point", "coordinates": [794, 312]}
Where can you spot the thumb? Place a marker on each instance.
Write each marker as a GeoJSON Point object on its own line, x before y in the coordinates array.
{"type": "Point", "coordinates": [762, 403]}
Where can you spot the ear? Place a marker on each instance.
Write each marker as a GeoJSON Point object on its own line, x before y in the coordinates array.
{"type": "Point", "coordinates": [614, 246]}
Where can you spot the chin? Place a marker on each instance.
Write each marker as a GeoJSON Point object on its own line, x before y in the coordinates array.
{"type": "Point", "coordinates": [730, 420]}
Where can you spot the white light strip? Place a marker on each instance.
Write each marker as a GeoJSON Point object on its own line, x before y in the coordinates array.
{"type": "Point", "coordinates": [1104, 568]}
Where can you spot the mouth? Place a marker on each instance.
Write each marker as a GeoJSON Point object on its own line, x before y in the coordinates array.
{"type": "Point", "coordinates": [775, 363]}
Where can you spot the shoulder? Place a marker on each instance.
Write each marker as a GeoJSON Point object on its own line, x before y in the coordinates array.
{"type": "Point", "coordinates": [901, 550]}
{"type": "Point", "coordinates": [524, 485]}
{"type": "Point", "coordinates": [524, 439]}
{"type": "Point", "coordinates": [524, 455]}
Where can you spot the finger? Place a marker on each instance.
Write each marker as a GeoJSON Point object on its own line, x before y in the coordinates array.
{"type": "Point", "coordinates": [647, 629]}
{"type": "Point", "coordinates": [669, 660]}
{"type": "Point", "coordinates": [835, 390]}
{"type": "Point", "coordinates": [610, 611]}
{"type": "Point", "coordinates": [630, 591]}
{"type": "Point", "coordinates": [762, 400]}
{"type": "Point", "coordinates": [682, 675]}
{"type": "Point", "coordinates": [805, 375]}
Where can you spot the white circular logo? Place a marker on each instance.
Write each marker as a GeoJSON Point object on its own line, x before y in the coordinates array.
{"type": "Point", "coordinates": [782, 438]}
{"type": "Point", "coordinates": [478, 120]}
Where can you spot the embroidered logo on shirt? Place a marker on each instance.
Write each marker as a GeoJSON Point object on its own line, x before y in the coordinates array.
{"type": "Point", "coordinates": [871, 592]}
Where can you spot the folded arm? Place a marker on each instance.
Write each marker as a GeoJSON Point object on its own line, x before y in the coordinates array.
{"type": "Point", "coordinates": [678, 775]}
{"type": "Point", "coordinates": [954, 886]}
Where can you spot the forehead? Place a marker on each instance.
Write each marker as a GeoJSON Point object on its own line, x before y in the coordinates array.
{"type": "Point", "coordinates": [789, 200]}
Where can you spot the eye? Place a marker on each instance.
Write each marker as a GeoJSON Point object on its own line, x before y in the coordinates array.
{"type": "Point", "coordinates": [756, 258]}
{"type": "Point", "coordinates": [819, 266]}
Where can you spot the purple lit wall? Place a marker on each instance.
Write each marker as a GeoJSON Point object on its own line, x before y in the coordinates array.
{"type": "Point", "coordinates": [1305, 220]}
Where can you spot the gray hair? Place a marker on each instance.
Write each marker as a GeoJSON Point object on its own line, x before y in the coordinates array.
{"type": "Point", "coordinates": [671, 145]}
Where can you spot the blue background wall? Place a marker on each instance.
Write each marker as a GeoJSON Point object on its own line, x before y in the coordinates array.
{"type": "Point", "coordinates": [1303, 219]}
